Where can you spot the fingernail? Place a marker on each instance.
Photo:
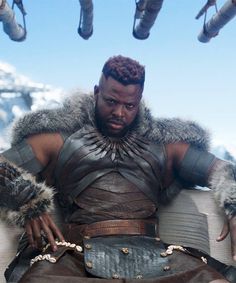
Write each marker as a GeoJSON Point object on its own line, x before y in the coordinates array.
{"type": "Point", "coordinates": [54, 248]}
{"type": "Point", "coordinates": [234, 257]}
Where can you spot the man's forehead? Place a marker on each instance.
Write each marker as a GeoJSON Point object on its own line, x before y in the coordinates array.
{"type": "Point", "coordinates": [127, 97]}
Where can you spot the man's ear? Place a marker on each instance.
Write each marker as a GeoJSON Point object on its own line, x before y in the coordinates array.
{"type": "Point", "coordinates": [96, 90]}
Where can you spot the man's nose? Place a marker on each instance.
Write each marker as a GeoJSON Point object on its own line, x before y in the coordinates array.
{"type": "Point", "coordinates": [118, 110]}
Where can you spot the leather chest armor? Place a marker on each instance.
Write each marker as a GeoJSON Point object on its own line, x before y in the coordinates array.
{"type": "Point", "coordinates": [87, 157]}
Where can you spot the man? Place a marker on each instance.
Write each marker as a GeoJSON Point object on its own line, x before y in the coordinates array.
{"type": "Point", "coordinates": [112, 164]}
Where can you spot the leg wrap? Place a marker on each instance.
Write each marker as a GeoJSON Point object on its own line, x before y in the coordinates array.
{"type": "Point", "coordinates": [21, 197]}
{"type": "Point", "coordinates": [223, 182]}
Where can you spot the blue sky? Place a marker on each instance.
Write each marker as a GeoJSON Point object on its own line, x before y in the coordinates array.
{"type": "Point", "coordinates": [184, 77]}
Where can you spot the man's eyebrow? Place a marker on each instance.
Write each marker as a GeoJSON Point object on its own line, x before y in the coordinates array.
{"type": "Point", "coordinates": [115, 90]}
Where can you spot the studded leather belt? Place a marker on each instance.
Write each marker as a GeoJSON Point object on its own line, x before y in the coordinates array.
{"type": "Point", "coordinates": [121, 227]}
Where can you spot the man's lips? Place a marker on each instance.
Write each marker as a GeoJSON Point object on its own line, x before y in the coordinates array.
{"type": "Point", "coordinates": [116, 125]}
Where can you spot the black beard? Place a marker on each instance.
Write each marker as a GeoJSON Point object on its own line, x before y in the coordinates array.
{"type": "Point", "coordinates": [103, 128]}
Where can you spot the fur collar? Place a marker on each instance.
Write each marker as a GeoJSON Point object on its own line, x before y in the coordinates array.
{"type": "Point", "coordinates": [78, 110]}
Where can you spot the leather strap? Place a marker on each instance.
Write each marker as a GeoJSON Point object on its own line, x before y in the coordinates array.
{"type": "Point", "coordinates": [196, 166]}
{"type": "Point", "coordinates": [121, 227]}
{"type": "Point", "coordinates": [22, 155]}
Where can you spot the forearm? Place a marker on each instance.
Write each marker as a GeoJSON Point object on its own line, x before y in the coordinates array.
{"type": "Point", "coordinates": [21, 197]}
{"type": "Point", "coordinates": [222, 181]}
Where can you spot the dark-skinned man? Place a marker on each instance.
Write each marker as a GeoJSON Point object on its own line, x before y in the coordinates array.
{"type": "Point", "coordinates": [111, 164]}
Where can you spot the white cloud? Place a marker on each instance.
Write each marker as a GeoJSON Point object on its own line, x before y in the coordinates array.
{"type": "Point", "coordinates": [17, 111]}
{"type": "Point", "coordinates": [9, 78]}
{"type": "Point", "coordinates": [232, 149]}
{"type": "Point", "coordinates": [7, 67]}
{"type": "Point", "coordinates": [3, 144]}
{"type": "Point", "coordinates": [3, 115]}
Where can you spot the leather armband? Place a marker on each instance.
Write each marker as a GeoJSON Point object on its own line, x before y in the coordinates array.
{"type": "Point", "coordinates": [223, 182]}
{"type": "Point", "coordinates": [23, 156]}
{"type": "Point", "coordinates": [195, 166]}
{"type": "Point", "coordinates": [21, 197]}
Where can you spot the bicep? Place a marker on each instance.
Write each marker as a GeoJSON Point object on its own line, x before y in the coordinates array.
{"type": "Point", "coordinates": [46, 147]}
{"type": "Point", "coordinates": [174, 154]}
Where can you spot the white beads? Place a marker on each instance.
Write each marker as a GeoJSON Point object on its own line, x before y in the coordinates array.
{"type": "Point", "coordinates": [52, 259]}
{"type": "Point", "coordinates": [170, 250]}
{"type": "Point", "coordinates": [79, 248]}
{"type": "Point", "coordinates": [204, 259]}
{"type": "Point", "coordinates": [69, 245]}
{"type": "Point", "coordinates": [47, 257]}
{"type": "Point", "coordinates": [176, 248]}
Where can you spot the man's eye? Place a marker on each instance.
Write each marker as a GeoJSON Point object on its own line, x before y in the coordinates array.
{"type": "Point", "coordinates": [129, 106]}
{"type": "Point", "coordinates": [111, 101]}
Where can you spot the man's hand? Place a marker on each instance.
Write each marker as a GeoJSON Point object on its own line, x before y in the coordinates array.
{"type": "Point", "coordinates": [43, 224]}
{"type": "Point", "coordinates": [229, 228]}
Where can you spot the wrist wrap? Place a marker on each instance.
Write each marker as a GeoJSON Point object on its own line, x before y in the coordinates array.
{"type": "Point", "coordinates": [21, 197]}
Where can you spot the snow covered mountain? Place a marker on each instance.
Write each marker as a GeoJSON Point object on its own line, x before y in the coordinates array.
{"type": "Point", "coordinates": [19, 94]}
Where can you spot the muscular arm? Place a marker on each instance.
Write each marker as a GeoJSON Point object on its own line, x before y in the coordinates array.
{"type": "Point", "coordinates": [20, 194]}
{"type": "Point", "coordinates": [171, 185]}
{"type": "Point", "coordinates": [202, 168]}
{"type": "Point", "coordinates": [27, 201]}
{"type": "Point", "coordinates": [175, 154]}
{"type": "Point", "coordinates": [46, 147]}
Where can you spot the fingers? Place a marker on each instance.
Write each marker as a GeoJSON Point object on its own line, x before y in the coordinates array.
{"type": "Point", "coordinates": [56, 231]}
{"type": "Point", "coordinates": [34, 234]}
{"type": "Point", "coordinates": [37, 234]}
{"type": "Point", "coordinates": [48, 234]}
{"type": "Point", "coordinates": [232, 227]}
{"type": "Point", "coordinates": [229, 227]}
{"type": "Point", "coordinates": [43, 224]}
{"type": "Point", "coordinates": [33, 231]}
{"type": "Point", "coordinates": [224, 232]}
{"type": "Point", "coordinates": [29, 234]}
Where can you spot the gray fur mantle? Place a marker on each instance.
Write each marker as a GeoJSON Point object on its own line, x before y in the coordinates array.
{"type": "Point", "coordinates": [78, 111]}
{"type": "Point", "coordinates": [223, 183]}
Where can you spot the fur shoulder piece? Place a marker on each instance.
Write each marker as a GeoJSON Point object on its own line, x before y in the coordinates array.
{"type": "Point", "coordinates": [163, 130]}
{"type": "Point", "coordinates": [78, 111]}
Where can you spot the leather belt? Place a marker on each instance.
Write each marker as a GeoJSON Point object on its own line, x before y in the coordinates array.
{"type": "Point", "coordinates": [121, 227]}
